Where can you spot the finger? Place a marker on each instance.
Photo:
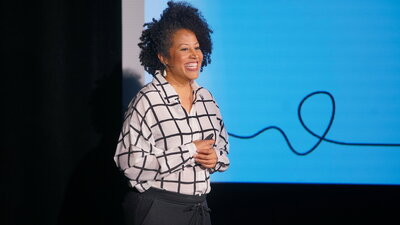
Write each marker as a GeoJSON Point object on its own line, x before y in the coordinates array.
{"type": "Point", "coordinates": [207, 151]}
{"type": "Point", "coordinates": [206, 146]}
{"type": "Point", "coordinates": [206, 163]}
{"type": "Point", "coordinates": [203, 156]}
{"type": "Point", "coordinates": [201, 144]}
{"type": "Point", "coordinates": [209, 142]}
{"type": "Point", "coordinates": [208, 166]}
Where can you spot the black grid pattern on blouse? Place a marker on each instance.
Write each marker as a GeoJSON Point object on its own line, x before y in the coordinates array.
{"type": "Point", "coordinates": [155, 147]}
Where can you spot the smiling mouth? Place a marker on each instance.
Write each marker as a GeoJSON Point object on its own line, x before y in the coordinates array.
{"type": "Point", "coordinates": [193, 66]}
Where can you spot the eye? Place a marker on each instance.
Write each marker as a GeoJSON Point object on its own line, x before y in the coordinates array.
{"type": "Point", "coordinates": [184, 49]}
{"type": "Point", "coordinates": [198, 48]}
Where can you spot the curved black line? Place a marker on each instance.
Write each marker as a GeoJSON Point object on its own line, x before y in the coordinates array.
{"type": "Point", "coordinates": [320, 138]}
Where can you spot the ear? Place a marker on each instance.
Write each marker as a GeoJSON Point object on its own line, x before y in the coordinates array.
{"type": "Point", "coordinates": [162, 59]}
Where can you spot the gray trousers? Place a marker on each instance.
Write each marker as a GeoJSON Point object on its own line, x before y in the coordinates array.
{"type": "Point", "coordinates": [159, 207]}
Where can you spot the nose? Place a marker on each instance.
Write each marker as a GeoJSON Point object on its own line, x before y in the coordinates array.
{"type": "Point", "coordinates": [193, 54]}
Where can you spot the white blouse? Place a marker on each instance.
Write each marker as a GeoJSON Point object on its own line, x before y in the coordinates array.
{"type": "Point", "coordinates": [156, 148]}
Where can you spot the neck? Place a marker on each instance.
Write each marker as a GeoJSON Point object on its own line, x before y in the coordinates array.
{"type": "Point", "coordinates": [179, 84]}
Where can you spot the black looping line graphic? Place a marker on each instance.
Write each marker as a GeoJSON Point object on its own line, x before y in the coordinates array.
{"type": "Point", "coordinates": [320, 137]}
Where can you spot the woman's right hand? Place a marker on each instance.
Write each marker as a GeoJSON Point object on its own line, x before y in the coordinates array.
{"type": "Point", "coordinates": [204, 144]}
{"type": "Point", "coordinates": [206, 154]}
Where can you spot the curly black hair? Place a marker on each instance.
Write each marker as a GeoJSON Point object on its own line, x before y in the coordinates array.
{"type": "Point", "coordinates": [156, 39]}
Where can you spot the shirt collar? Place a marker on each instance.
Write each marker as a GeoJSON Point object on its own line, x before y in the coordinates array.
{"type": "Point", "coordinates": [167, 91]}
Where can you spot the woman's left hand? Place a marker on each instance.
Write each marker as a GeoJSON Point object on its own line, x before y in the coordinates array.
{"type": "Point", "coordinates": [206, 157]}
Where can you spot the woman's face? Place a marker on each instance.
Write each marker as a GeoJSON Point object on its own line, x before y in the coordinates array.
{"type": "Point", "coordinates": [185, 56]}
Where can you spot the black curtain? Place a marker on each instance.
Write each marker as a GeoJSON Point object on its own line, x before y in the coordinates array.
{"type": "Point", "coordinates": [62, 111]}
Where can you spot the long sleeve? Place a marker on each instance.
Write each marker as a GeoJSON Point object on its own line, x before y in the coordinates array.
{"type": "Point", "coordinates": [137, 155]}
{"type": "Point", "coordinates": [155, 147]}
{"type": "Point", "coordinates": [221, 147]}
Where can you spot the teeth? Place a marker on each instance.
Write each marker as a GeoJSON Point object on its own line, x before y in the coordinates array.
{"type": "Point", "coordinates": [193, 65]}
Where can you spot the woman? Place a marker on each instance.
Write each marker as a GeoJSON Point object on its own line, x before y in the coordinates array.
{"type": "Point", "coordinates": [173, 135]}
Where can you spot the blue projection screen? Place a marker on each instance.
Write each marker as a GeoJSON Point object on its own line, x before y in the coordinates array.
{"type": "Point", "coordinates": [312, 88]}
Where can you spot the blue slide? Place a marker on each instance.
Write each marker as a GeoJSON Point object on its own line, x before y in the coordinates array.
{"type": "Point", "coordinates": [309, 90]}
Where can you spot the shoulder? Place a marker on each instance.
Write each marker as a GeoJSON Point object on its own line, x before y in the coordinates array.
{"type": "Point", "coordinates": [147, 95]}
{"type": "Point", "coordinates": [209, 101]}
{"type": "Point", "coordinates": [205, 94]}
{"type": "Point", "coordinates": [149, 92]}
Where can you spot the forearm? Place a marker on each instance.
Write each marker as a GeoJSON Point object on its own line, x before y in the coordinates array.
{"type": "Point", "coordinates": [222, 150]}
{"type": "Point", "coordinates": [140, 165]}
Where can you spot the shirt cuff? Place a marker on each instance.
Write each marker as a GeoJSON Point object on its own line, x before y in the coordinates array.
{"type": "Point", "coordinates": [192, 149]}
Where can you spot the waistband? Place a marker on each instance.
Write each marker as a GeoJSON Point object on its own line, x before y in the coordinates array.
{"type": "Point", "coordinates": [155, 193]}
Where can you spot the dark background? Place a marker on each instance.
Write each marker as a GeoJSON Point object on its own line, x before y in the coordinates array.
{"type": "Point", "coordinates": [61, 95]}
